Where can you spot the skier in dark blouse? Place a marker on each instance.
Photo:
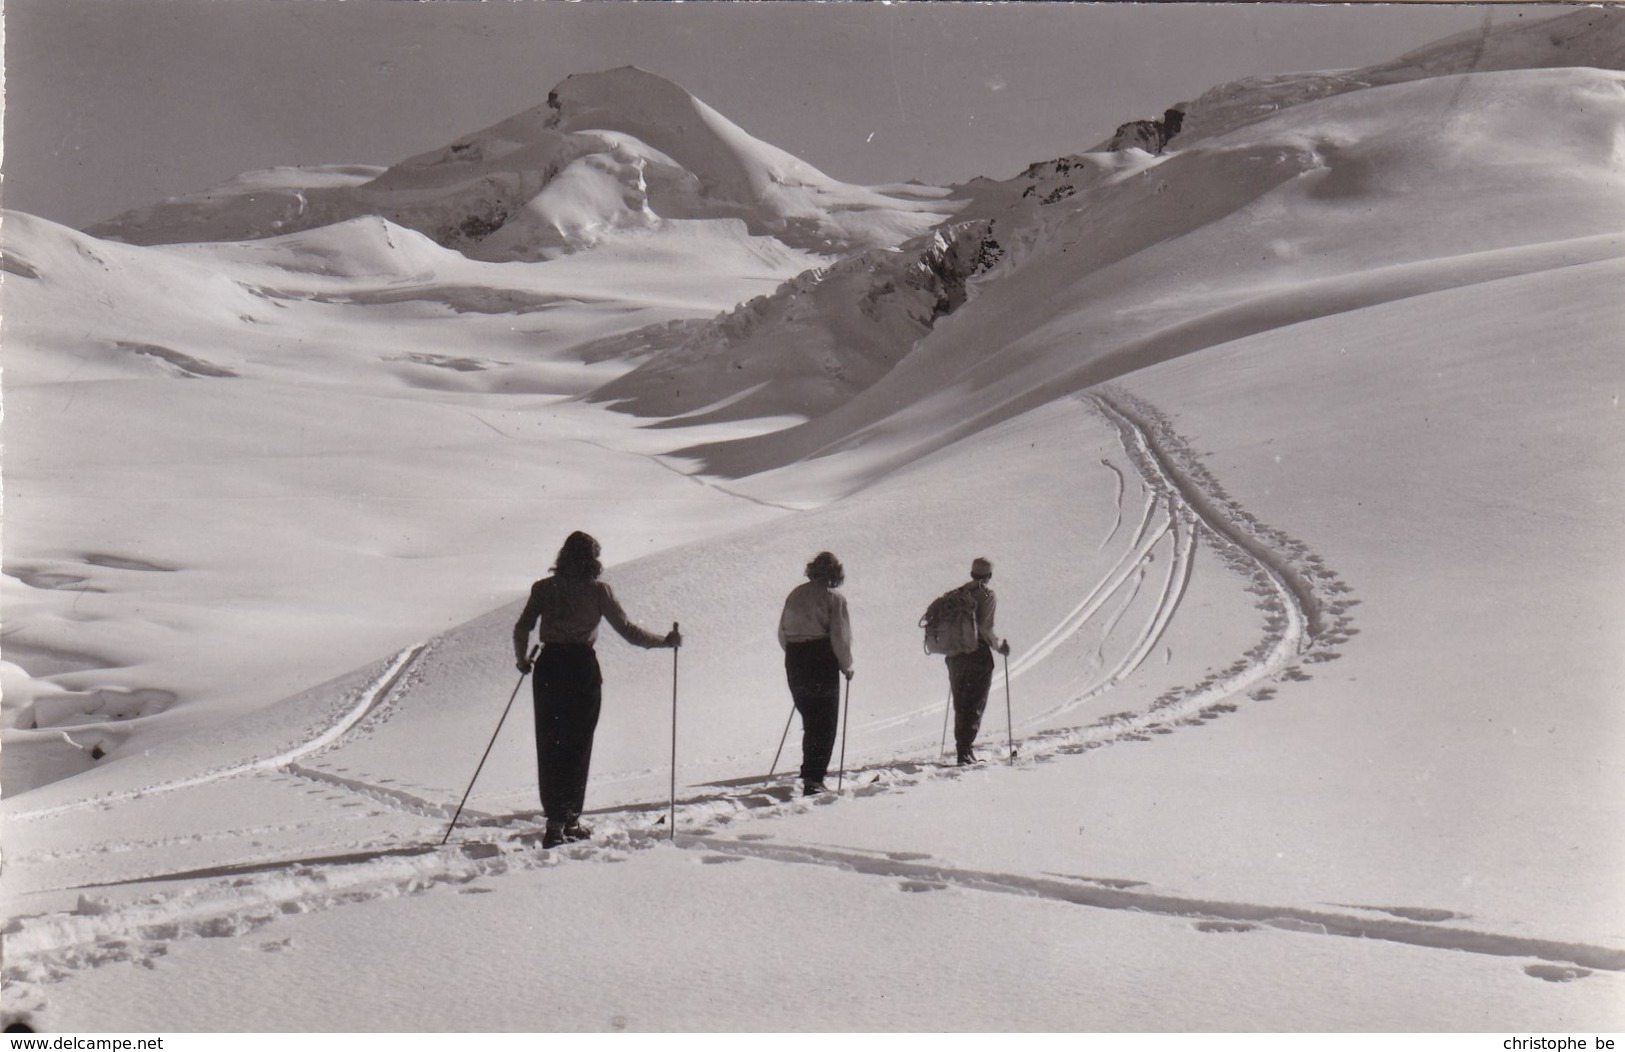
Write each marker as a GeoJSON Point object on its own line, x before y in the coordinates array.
{"type": "Point", "coordinates": [564, 611]}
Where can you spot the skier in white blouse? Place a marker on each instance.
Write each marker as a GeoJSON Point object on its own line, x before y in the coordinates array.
{"type": "Point", "coordinates": [816, 634]}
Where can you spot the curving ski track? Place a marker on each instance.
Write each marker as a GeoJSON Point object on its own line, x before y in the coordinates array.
{"type": "Point", "coordinates": [362, 705]}
{"type": "Point", "coordinates": [1189, 513]}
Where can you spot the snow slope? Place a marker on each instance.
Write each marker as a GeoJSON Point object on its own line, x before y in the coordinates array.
{"type": "Point", "coordinates": [1586, 37]}
{"type": "Point", "coordinates": [1141, 269]}
{"type": "Point", "coordinates": [1295, 451]}
{"type": "Point", "coordinates": [813, 343]}
{"type": "Point", "coordinates": [216, 447]}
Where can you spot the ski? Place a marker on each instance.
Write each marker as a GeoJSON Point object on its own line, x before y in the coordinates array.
{"type": "Point", "coordinates": [474, 849]}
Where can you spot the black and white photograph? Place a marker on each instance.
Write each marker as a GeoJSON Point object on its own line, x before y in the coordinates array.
{"type": "Point", "coordinates": [541, 517]}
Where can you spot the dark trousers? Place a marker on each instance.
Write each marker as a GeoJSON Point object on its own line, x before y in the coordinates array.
{"type": "Point", "coordinates": [568, 692]}
{"type": "Point", "coordinates": [815, 685]}
{"type": "Point", "coordinates": [969, 677]}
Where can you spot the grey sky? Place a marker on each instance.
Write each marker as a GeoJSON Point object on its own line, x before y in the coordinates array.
{"type": "Point", "coordinates": [113, 104]}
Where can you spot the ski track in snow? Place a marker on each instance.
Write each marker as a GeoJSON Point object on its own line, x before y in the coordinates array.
{"type": "Point", "coordinates": [392, 797]}
{"type": "Point", "coordinates": [241, 900]}
{"type": "Point", "coordinates": [1129, 895]}
{"type": "Point", "coordinates": [1183, 506]}
{"type": "Point", "coordinates": [1117, 500]}
{"type": "Point", "coordinates": [370, 698]}
{"type": "Point", "coordinates": [1192, 508]}
{"type": "Point", "coordinates": [374, 705]}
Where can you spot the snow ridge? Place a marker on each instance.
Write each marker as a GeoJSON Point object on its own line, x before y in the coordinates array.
{"type": "Point", "coordinates": [814, 342]}
{"type": "Point", "coordinates": [1593, 37]}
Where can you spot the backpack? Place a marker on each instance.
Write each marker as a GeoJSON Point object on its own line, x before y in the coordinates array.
{"type": "Point", "coordinates": [950, 623]}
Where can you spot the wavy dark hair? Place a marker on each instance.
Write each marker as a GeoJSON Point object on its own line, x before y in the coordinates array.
{"type": "Point", "coordinates": [579, 557]}
{"type": "Point", "coordinates": [826, 568]}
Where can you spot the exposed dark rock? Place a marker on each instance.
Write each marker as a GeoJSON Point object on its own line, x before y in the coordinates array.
{"type": "Point", "coordinates": [13, 265]}
{"type": "Point", "coordinates": [1150, 136]}
{"type": "Point", "coordinates": [475, 227]}
{"type": "Point", "coordinates": [959, 254]}
{"type": "Point", "coordinates": [183, 364]}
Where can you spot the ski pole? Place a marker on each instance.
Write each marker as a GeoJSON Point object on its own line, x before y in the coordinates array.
{"type": "Point", "coordinates": [782, 739]}
{"type": "Point", "coordinates": [942, 749]}
{"type": "Point", "coordinates": [1009, 722]}
{"type": "Point", "coordinates": [672, 809]}
{"type": "Point", "coordinates": [840, 775]}
{"type": "Point", "coordinates": [493, 741]}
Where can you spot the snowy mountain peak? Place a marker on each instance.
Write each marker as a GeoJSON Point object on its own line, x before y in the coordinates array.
{"type": "Point", "coordinates": [608, 153]}
{"type": "Point", "coordinates": [626, 99]}
{"type": "Point", "coordinates": [621, 89]}
{"type": "Point", "coordinates": [732, 164]}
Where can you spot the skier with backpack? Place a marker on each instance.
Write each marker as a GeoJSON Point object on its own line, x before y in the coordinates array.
{"type": "Point", "coordinates": [959, 625]}
{"type": "Point", "coordinates": [816, 634]}
{"type": "Point", "coordinates": [564, 610]}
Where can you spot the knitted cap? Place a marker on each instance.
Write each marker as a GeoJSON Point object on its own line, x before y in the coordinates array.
{"type": "Point", "coordinates": [980, 567]}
